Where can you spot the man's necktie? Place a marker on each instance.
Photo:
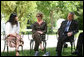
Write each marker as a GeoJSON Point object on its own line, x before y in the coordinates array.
{"type": "Point", "coordinates": [67, 26]}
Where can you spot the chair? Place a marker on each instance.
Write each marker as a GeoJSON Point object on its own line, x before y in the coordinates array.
{"type": "Point", "coordinates": [72, 43]}
{"type": "Point", "coordinates": [32, 43]}
{"type": "Point", "coordinates": [6, 45]}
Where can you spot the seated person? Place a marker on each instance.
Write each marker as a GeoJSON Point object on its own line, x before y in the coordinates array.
{"type": "Point", "coordinates": [39, 30]}
{"type": "Point", "coordinates": [66, 32]}
{"type": "Point", "coordinates": [12, 32]}
{"type": "Point", "coordinates": [79, 48]}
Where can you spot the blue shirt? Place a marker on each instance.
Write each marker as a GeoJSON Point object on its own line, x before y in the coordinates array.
{"type": "Point", "coordinates": [67, 26]}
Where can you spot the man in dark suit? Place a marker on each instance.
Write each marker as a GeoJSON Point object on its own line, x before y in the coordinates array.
{"type": "Point", "coordinates": [66, 32]}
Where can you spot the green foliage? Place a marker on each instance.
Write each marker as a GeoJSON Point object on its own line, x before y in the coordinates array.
{"type": "Point", "coordinates": [24, 9]}
{"type": "Point", "coordinates": [52, 10]}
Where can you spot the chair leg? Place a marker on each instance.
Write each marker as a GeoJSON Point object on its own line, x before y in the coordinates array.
{"type": "Point", "coordinates": [22, 50]}
{"type": "Point", "coordinates": [44, 45]}
{"type": "Point", "coordinates": [63, 49]}
{"type": "Point", "coordinates": [71, 47]}
{"type": "Point", "coordinates": [4, 46]}
{"type": "Point", "coordinates": [74, 45]}
{"type": "Point", "coordinates": [32, 44]}
{"type": "Point", "coordinates": [7, 50]}
{"type": "Point", "coordinates": [30, 47]}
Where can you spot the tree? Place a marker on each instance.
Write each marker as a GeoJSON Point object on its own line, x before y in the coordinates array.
{"type": "Point", "coordinates": [24, 10]}
{"type": "Point", "coordinates": [53, 10]}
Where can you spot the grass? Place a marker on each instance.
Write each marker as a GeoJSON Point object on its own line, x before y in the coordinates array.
{"type": "Point", "coordinates": [67, 52]}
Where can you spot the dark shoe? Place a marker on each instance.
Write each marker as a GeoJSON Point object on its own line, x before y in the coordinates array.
{"type": "Point", "coordinates": [36, 53]}
{"type": "Point", "coordinates": [75, 53]}
{"type": "Point", "coordinates": [80, 54]}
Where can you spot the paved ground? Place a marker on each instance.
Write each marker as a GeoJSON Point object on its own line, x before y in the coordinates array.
{"type": "Point", "coordinates": [51, 42]}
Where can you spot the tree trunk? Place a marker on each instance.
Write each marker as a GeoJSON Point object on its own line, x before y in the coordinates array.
{"type": "Point", "coordinates": [51, 17]}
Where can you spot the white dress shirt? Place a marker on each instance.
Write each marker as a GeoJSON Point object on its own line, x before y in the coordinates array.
{"type": "Point", "coordinates": [10, 30]}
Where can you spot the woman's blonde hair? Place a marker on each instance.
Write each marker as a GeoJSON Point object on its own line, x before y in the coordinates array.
{"type": "Point", "coordinates": [39, 14]}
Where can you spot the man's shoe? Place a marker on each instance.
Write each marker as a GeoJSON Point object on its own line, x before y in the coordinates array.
{"type": "Point", "coordinates": [36, 53]}
{"type": "Point", "coordinates": [75, 53]}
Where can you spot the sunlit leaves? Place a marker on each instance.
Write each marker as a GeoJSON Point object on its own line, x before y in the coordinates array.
{"type": "Point", "coordinates": [27, 10]}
